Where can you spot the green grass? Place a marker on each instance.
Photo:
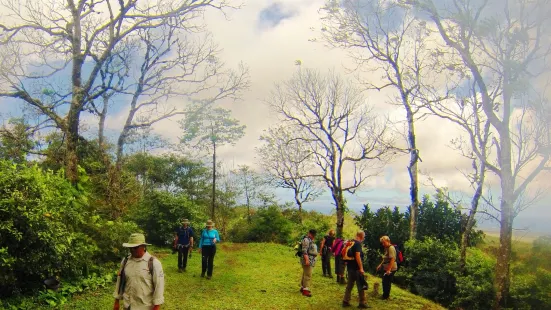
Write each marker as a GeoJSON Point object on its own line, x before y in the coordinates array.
{"type": "Point", "coordinates": [250, 276]}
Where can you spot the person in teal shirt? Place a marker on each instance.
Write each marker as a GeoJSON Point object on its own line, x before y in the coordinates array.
{"type": "Point", "coordinates": [207, 248]}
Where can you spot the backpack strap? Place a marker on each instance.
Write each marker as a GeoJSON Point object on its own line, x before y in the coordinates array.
{"type": "Point", "coordinates": [122, 275]}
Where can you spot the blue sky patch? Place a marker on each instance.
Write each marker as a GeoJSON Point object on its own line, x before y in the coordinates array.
{"type": "Point", "coordinates": [272, 15]}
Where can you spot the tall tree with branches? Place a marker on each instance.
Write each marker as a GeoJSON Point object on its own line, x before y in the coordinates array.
{"type": "Point", "coordinates": [388, 42]}
{"type": "Point", "coordinates": [333, 121]}
{"type": "Point", "coordinates": [504, 48]}
{"type": "Point", "coordinates": [209, 129]}
{"type": "Point", "coordinates": [52, 52]}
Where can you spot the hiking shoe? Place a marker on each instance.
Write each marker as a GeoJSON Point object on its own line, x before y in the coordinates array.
{"type": "Point", "coordinates": [179, 270]}
{"type": "Point", "coordinates": [330, 276]}
{"type": "Point", "coordinates": [301, 289]}
{"type": "Point", "coordinates": [306, 293]}
{"type": "Point", "coordinates": [345, 304]}
{"type": "Point", "coordinates": [363, 306]}
{"type": "Point", "coordinates": [202, 274]}
{"type": "Point", "coordinates": [209, 277]}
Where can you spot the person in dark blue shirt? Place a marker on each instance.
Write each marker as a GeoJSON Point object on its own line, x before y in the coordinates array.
{"type": "Point", "coordinates": [184, 243]}
{"type": "Point", "coordinates": [207, 248]}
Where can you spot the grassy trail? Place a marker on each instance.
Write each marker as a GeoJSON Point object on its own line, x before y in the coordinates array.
{"type": "Point", "coordinates": [250, 276]}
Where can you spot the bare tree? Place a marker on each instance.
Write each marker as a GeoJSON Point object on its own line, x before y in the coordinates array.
{"type": "Point", "coordinates": [42, 41]}
{"type": "Point", "coordinates": [251, 186]}
{"type": "Point", "coordinates": [503, 46]}
{"type": "Point", "coordinates": [335, 124]}
{"type": "Point", "coordinates": [389, 43]}
{"type": "Point", "coordinates": [287, 163]}
{"type": "Point", "coordinates": [466, 112]}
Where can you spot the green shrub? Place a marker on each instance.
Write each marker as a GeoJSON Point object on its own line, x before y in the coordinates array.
{"type": "Point", "coordinates": [475, 289]}
{"type": "Point", "coordinates": [432, 269]}
{"type": "Point", "coordinates": [159, 213]}
{"type": "Point", "coordinates": [41, 216]}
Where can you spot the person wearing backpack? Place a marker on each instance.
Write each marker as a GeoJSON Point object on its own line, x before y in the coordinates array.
{"type": "Point", "coordinates": [325, 246]}
{"type": "Point", "coordinates": [140, 281]}
{"type": "Point", "coordinates": [339, 263]}
{"type": "Point", "coordinates": [388, 265]}
{"type": "Point", "coordinates": [184, 243]}
{"type": "Point", "coordinates": [207, 248]}
{"type": "Point", "coordinates": [353, 255]}
{"type": "Point", "coordinates": [308, 260]}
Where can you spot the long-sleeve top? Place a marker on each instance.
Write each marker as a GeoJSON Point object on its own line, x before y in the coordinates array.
{"type": "Point", "coordinates": [207, 236]}
{"type": "Point", "coordinates": [142, 290]}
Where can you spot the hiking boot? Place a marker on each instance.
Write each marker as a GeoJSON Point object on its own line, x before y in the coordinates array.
{"type": "Point", "coordinates": [179, 270]}
{"type": "Point", "coordinates": [306, 293]}
{"type": "Point", "coordinates": [330, 276]}
{"type": "Point", "coordinates": [346, 304]}
{"type": "Point", "coordinates": [209, 277]}
{"type": "Point", "coordinates": [363, 306]}
{"type": "Point", "coordinates": [202, 274]}
{"type": "Point", "coordinates": [301, 289]}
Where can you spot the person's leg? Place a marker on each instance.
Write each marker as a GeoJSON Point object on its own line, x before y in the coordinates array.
{"type": "Point", "coordinates": [185, 251]}
{"type": "Point", "coordinates": [323, 266]}
{"type": "Point", "coordinates": [329, 266]}
{"type": "Point", "coordinates": [349, 286]}
{"type": "Point", "coordinates": [387, 284]}
{"type": "Point", "coordinates": [179, 258]}
{"type": "Point", "coordinates": [307, 278]}
{"type": "Point", "coordinates": [204, 260]}
{"type": "Point", "coordinates": [211, 260]}
{"type": "Point", "coordinates": [361, 293]}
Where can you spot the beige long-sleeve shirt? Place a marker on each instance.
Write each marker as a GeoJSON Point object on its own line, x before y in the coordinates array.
{"type": "Point", "coordinates": [142, 290]}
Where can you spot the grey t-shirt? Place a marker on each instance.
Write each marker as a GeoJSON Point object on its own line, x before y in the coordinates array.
{"type": "Point", "coordinates": [309, 247]}
{"type": "Point", "coordinates": [390, 253]}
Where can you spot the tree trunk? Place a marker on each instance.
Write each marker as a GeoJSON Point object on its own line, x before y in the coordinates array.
{"type": "Point", "coordinates": [299, 205]}
{"type": "Point", "coordinates": [101, 130]}
{"type": "Point", "coordinates": [502, 281]}
{"type": "Point", "coordinates": [413, 175]}
{"type": "Point", "coordinates": [213, 180]}
{"type": "Point", "coordinates": [339, 202]}
{"type": "Point", "coordinates": [471, 220]}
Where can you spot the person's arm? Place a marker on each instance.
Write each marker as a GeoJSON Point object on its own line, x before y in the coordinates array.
{"type": "Point", "coordinates": [359, 262]}
{"type": "Point", "coordinates": [158, 284]}
{"type": "Point", "coordinates": [217, 237]}
{"type": "Point", "coordinates": [191, 238]}
{"type": "Point", "coordinates": [201, 241]}
{"type": "Point", "coordinates": [321, 245]}
{"type": "Point", "coordinates": [175, 240]}
{"type": "Point", "coordinates": [305, 246]}
{"type": "Point", "coordinates": [116, 294]}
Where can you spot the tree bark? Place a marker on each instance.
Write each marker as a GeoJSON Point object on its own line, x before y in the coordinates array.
{"type": "Point", "coordinates": [299, 205]}
{"type": "Point", "coordinates": [465, 235]}
{"type": "Point", "coordinates": [213, 179]}
{"type": "Point", "coordinates": [413, 173]}
{"type": "Point", "coordinates": [339, 202]}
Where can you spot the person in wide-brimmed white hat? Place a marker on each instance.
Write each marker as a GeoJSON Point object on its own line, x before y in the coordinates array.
{"type": "Point", "coordinates": [207, 248]}
{"type": "Point", "coordinates": [139, 290]}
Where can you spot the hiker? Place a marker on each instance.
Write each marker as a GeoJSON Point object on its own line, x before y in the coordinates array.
{"type": "Point", "coordinates": [356, 272]}
{"type": "Point", "coordinates": [207, 248]}
{"type": "Point", "coordinates": [325, 246]}
{"type": "Point", "coordinates": [308, 260]}
{"type": "Point", "coordinates": [389, 265]}
{"type": "Point", "coordinates": [184, 243]}
{"type": "Point", "coordinates": [339, 263]}
{"type": "Point", "coordinates": [140, 281]}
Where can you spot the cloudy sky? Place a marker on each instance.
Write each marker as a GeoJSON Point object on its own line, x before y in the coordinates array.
{"type": "Point", "coordinates": [269, 36]}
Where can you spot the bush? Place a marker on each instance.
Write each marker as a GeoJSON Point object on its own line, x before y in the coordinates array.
{"type": "Point", "coordinates": [41, 216]}
{"type": "Point", "coordinates": [475, 289]}
{"type": "Point", "coordinates": [160, 212]}
{"type": "Point", "coordinates": [432, 269]}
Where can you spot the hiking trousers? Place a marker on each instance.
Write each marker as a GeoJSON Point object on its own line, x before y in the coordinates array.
{"type": "Point", "coordinates": [326, 262]}
{"type": "Point", "coordinates": [306, 281]}
{"type": "Point", "coordinates": [354, 278]}
{"type": "Point", "coordinates": [387, 284]}
{"type": "Point", "coordinates": [208, 252]}
{"type": "Point", "coordinates": [182, 256]}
